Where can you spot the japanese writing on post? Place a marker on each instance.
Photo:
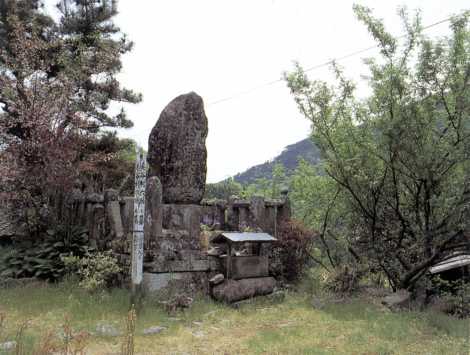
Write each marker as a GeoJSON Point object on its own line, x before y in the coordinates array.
{"type": "Point", "coordinates": [139, 215]}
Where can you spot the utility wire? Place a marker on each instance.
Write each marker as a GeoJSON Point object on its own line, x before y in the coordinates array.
{"type": "Point", "coordinates": [318, 66]}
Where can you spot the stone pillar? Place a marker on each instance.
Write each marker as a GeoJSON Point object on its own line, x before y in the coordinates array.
{"type": "Point", "coordinates": [219, 217]}
{"type": "Point", "coordinates": [113, 212]}
{"type": "Point", "coordinates": [243, 219]}
{"type": "Point", "coordinates": [177, 150]}
{"type": "Point", "coordinates": [153, 212]}
{"type": "Point", "coordinates": [271, 219]}
{"type": "Point", "coordinates": [232, 215]}
{"type": "Point", "coordinates": [98, 215]}
{"type": "Point", "coordinates": [127, 214]}
{"type": "Point", "coordinates": [183, 217]}
{"type": "Point", "coordinates": [258, 212]}
{"type": "Point", "coordinates": [284, 212]}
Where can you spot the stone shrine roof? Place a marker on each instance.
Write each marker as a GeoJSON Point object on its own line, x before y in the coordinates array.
{"type": "Point", "coordinates": [238, 237]}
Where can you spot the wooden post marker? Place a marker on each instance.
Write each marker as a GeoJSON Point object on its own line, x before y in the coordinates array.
{"type": "Point", "coordinates": [139, 216]}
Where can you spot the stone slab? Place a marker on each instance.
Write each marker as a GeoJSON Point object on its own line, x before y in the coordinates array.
{"type": "Point", "coordinates": [184, 281]}
{"type": "Point", "coordinates": [177, 266]}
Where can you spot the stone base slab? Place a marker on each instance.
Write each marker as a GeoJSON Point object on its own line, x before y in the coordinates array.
{"type": "Point", "coordinates": [180, 282]}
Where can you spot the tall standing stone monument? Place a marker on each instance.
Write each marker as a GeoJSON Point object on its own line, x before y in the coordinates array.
{"type": "Point", "coordinates": [177, 150]}
{"type": "Point", "coordinates": [177, 158]}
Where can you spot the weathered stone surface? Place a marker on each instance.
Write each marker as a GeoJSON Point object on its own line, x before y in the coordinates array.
{"type": "Point", "coordinates": [153, 211]}
{"type": "Point", "coordinates": [184, 282]}
{"type": "Point", "coordinates": [258, 212]}
{"type": "Point", "coordinates": [397, 300]}
{"type": "Point", "coordinates": [94, 197]}
{"type": "Point", "coordinates": [176, 251]}
{"type": "Point", "coordinates": [271, 220]}
{"type": "Point", "coordinates": [127, 214]}
{"type": "Point", "coordinates": [153, 330]}
{"type": "Point", "coordinates": [177, 150]}
{"type": "Point", "coordinates": [233, 291]}
{"type": "Point", "coordinates": [183, 217]}
{"type": "Point", "coordinates": [233, 214]}
{"type": "Point", "coordinates": [215, 264]}
{"type": "Point", "coordinates": [217, 279]}
{"type": "Point", "coordinates": [113, 212]}
{"type": "Point", "coordinates": [213, 213]}
{"type": "Point", "coordinates": [98, 220]}
{"type": "Point", "coordinates": [177, 266]}
{"type": "Point", "coordinates": [249, 266]}
{"type": "Point", "coordinates": [243, 218]}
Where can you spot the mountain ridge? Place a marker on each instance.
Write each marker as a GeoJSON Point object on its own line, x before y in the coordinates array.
{"type": "Point", "coordinates": [289, 158]}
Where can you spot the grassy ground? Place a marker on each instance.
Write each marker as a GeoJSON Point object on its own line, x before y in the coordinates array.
{"type": "Point", "coordinates": [263, 327]}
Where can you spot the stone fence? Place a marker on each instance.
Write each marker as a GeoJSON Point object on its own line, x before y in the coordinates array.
{"type": "Point", "coordinates": [174, 247]}
{"type": "Point", "coordinates": [237, 214]}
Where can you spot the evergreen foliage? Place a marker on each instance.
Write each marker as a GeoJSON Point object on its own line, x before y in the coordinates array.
{"type": "Point", "coordinates": [57, 88]}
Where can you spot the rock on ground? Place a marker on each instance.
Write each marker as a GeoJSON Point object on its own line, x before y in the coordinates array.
{"type": "Point", "coordinates": [397, 300]}
{"type": "Point", "coordinates": [232, 291]}
{"type": "Point", "coordinates": [217, 279]}
{"type": "Point", "coordinates": [8, 345]}
{"type": "Point", "coordinates": [107, 330]}
{"type": "Point", "coordinates": [153, 330]}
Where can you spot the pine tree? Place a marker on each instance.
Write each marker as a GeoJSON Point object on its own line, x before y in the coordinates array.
{"type": "Point", "coordinates": [93, 50]}
{"type": "Point", "coordinates": [57, 83]}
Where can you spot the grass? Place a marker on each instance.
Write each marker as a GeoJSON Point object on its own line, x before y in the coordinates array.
{"type": "Point", "coordinates": [291, 327]}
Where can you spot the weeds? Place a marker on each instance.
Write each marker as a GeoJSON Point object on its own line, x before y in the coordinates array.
{"type": "Point", "coordinates": [291, 327]}
{"type": "Point", "coordinates": [128, 344]}
{"type": "Point", "coordinates": [20, 338]}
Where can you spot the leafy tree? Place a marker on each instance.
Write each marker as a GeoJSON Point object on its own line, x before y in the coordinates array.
{"type": "Point", "coordinates": [401, 156]}
{"type": "Point", "coordinates": [57, 81]}
{"type": "Point", "coordinates": [279, 178]}
{"type": "Point", "coordinates": [319, 204]}
{"type": "Point", "coordinates": [269, 188]}
{"type": "Point", "coordinates": [223, 190]}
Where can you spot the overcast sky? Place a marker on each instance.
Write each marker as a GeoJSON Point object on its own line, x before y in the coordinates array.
{"type": "Point", "coordinates": [221, 48]}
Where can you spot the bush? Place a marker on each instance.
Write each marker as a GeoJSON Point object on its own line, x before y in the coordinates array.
{"type": "Point", "coordinates": [41, 258]}
{"type": "Point", "coordinates": [455, 294]}
{"type": "Point", "coordinates": [96, 271]}
{"type": "Point", "coordinates": [291, 252]}
{"type": "Point", "coordinates": [344, 279]}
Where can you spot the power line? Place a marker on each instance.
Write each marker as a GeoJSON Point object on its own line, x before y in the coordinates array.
{"type": "Point", "coordinates": [315, 67]}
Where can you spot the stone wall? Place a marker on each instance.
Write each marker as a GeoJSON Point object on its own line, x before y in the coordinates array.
{"type": "Point", "coordinates": [256, 214]}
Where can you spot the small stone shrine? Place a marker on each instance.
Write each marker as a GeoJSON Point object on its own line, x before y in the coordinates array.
{"type": "Point", "coordinates": [246, 271]}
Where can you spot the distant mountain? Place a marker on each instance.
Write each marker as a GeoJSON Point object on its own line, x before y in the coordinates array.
{"type": "Point", "coordinates": [289, 158]}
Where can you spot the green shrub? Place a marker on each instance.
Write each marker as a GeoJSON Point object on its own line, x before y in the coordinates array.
{"type": "Point", "coordinates": [41, 257]}
{"type": "Point", "coordinates": [96, 271]}
{"type": "Point", "coordinates": [456, 294]}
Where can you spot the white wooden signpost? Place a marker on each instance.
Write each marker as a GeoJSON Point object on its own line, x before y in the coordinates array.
{"type": "Point", "coordinates": [139, 217]}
